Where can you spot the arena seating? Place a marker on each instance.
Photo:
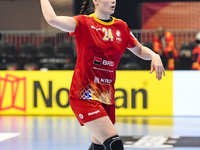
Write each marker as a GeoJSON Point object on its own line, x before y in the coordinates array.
{"type": "Point", "coordinates": [63, 57]}
{"type": "Point", "coordinates": [131, 66]}
{"type": "Point", "coordinates": [49, 66]}
{"type": "Point", "coordinates": [30, 58]}
{"type": "Point", "coordinates": [31, 66]}
{"type": "Point", "coordinates": [28, 51]}
{"type": "Point", "coordinates": [12, 66]}
{"type": "Point", "coordinates": [45, 50]}
{"type": "Point", "coordinates": [185, 57]}
{"type": "Point", "coordinates": [69, 66]}
{"type": "Point", "coordinates": [8, 51]}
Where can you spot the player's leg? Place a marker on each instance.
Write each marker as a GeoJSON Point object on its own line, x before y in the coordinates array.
{"type": "Point", "coordinates": [110, 110]}
{"type": "Point", "coordinates": [96, 145]}
{"type": "Point", "coordinates": [104, 131]}
{"type": "Point", "coordinates": [95, 140]}
{"type": "Point", "coordinates": [95, 117]}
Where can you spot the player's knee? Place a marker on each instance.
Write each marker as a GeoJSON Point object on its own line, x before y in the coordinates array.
{"type": "Point", "coordinates": [94, 146]}
{"type": "Point", "coordinates": [113, 143]}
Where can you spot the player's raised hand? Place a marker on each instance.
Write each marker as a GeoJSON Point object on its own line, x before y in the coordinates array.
{"type": "Point", "coordinates": [156, 64]}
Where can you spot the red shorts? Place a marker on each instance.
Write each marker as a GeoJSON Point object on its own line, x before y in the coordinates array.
{"type": "Point", "coordinates": [89, 110]}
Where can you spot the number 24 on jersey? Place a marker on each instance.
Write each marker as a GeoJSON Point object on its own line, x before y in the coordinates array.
{"type": "Point", "coordinates": [108, 34]}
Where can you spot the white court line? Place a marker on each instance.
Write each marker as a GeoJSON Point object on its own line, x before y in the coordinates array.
{"type": "Point", "coordinates": [6, 136]}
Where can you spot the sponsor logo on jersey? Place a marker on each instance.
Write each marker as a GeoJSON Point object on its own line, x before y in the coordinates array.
{"type": "Point", "coordinates": [101, 69]}
{"type": "Point", "coordinates": [108, 63]}
{"type": "Point", "coordinates": [96, 80]}
{"type": "Point", "coordinates": [118, 33]}
{"type": "Point", "coordinates": [94, 113]}
{"type": "Point", "coordinates": [98, 61]}
{"type": "Point", "coordinates": [97, 29]}
{"type": "Point", "coordinates": [118, 38]}
{"type": "Point", "coordinates": [102, 81]}
{"type": "Point", "coordinates": [81, 116]}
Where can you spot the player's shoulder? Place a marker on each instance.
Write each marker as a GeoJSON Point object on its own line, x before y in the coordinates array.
{"type": "Point", "coordinates": [81, 16]}
{"type": "Point", "coordinates": [120, 21]}
{"type": "Point", "coordinates": [82, 19]}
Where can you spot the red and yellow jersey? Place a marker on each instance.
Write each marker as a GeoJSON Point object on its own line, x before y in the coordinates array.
{"type": "Point", "coordinates": [168, 48]}
{"type": "Point", "coordinates": [196, 58]}
{"type": "Point", "coordinates": [169, 40]}
{"type": "Point", "coordinates": [99, 47]}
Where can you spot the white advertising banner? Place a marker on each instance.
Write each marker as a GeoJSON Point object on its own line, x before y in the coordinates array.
{"type": "Point", "coordinates": [186, 93]}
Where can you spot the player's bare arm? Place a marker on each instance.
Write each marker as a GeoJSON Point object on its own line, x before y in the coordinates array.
{"type": "Point", "coordinates": [147, 54]}
{"type": "Point", "coordinates": [64, 23]}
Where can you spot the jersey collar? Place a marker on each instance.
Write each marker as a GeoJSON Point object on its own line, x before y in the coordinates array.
{"type": "Point", "coordinates": [102, 22]}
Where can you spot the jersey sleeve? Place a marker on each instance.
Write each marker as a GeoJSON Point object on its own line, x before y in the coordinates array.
{"type": "Point", "coordinates": [131, 41]}
{"type": "Point", "coordinates": [79, 21]}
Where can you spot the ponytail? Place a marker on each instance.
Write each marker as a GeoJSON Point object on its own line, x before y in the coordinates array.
{"type": "Point", "coordinates": [87, 8]}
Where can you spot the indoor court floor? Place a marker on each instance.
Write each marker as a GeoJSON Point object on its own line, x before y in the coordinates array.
{"type": "Point", "coordinates": [65, 133]}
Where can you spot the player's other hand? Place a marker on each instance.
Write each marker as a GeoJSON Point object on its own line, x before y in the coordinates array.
{"type": "Point", "coordinates": [156, 64]}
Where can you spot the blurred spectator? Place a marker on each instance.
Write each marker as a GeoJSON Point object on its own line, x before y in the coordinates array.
{"type": "Point", "coordinates": [163, 45]}
{"type": "Point", "coordinates": [196, 54]}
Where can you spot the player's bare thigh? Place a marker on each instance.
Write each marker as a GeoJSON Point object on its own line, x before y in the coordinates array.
{"type": "Point", "coordinates": [101, 128]}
